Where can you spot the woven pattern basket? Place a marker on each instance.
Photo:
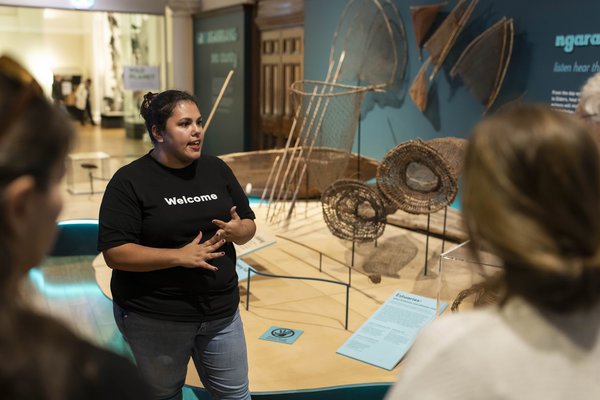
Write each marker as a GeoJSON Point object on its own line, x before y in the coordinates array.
{"type": "Point", "coordinates": [417, 178]}
{"type": "Point", "coordinates": [453, 151]}
{"type": "Point", "coordinates": [353, 210]}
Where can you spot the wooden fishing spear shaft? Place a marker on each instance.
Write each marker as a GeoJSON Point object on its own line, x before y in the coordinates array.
{"type": "Point", "coordinates": [214, 108]}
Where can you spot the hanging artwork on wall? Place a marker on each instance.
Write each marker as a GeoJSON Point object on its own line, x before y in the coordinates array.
{"type": "Point", "coordinates": [482, 65]}
{"type": "Point", "coordinates": [423, 18]}
{"type": "Point", "coordinates": [438, 46]}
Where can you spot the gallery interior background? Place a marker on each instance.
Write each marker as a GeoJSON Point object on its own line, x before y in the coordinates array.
{"type": "Point", "coordinates": [531, 74]}
{"type": "Point", "coordinates": [540, 70]}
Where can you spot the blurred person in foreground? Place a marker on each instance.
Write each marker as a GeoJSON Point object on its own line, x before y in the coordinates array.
{"type": "Point", "coordinates": [39, 357]}
{"type": "Point", "coordinates": [531, 196]}
{"type": "Point", "coordinates": [589, 104]}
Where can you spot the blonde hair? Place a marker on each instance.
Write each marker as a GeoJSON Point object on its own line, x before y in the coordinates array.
{"type": "Point", "coordinates": [532, 195]}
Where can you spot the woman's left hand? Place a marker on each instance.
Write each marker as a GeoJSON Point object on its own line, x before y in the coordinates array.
{"type": "Point", "coordinates": [236, 230]}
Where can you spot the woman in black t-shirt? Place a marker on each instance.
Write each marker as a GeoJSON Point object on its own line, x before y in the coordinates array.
{"type": "Point", "coordinates": [40, 359]}
{"type": "Point", "coordinates": [168, 222]}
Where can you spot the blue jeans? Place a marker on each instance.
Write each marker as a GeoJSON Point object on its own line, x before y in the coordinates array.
{"type": "Point", "coordinates": [162, 350]}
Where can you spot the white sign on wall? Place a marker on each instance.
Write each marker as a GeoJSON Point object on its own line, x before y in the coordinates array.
{"type": "Point", "coordinates": [141, 77]}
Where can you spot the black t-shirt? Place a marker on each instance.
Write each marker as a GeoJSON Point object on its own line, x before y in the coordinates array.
{"type": "Point", "coordinates": [152, 205]}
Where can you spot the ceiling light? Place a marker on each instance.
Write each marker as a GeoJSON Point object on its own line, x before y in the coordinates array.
{"type": "Point", "coordinates": [82, 4]}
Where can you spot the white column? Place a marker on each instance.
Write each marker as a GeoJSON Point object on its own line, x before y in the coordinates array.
{"type": "Point", "coordinates": [180, 44]}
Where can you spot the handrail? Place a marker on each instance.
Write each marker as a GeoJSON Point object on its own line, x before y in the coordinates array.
{"type": "Point", "coordinates": [306, 278]}
{"type": "Point", "coordinates": [320, 254]}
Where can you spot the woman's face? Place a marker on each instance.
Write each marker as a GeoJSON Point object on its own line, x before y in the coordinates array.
{"type": "Point", "coordinates": [181, 142]}
{"type": "Point", "coordinates": [39, 223]}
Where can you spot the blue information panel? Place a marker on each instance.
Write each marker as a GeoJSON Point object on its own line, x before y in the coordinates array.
{"type": "Point", "coordinates": [387, 335]}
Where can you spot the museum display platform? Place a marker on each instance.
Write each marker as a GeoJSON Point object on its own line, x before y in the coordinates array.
{"type": "Point", "coordinates": [304, 247]}
{"type": "Point", "coordinates": [73, 285]}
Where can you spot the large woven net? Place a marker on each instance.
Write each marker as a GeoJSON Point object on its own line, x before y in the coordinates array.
{"type": "Point", "coordinates": [423, 17]}
{"type": "Point", "coordinates": [328, 143]}
{"type": "Point", "coordinates": [369, 53]}
{"type": "Point", "coordinates": [438, 46]}
{"type": "Point", "coordinates": [483, 64]}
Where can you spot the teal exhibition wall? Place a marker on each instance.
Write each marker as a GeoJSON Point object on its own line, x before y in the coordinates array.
{"type": "Point", "coordinates": [541, 69]}
{"type": "Point", "coordinates": [556, 48]}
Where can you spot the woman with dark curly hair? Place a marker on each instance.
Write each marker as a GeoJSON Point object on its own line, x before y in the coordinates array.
{"type": "Point", "coordinates": [168, 222]}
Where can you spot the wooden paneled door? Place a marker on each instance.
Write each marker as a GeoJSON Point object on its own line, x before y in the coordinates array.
{"type": "Point", "coordinates": [281, 63]}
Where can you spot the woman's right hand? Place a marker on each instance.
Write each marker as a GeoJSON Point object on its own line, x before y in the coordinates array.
{"type": "Point", "coordinates": [196, 254]}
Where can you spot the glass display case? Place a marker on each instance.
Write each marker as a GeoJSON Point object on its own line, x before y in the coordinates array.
{"type": "Point", "coordinates": [461, 273]}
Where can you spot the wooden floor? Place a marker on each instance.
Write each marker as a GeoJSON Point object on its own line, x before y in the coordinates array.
{"type": "Point", "coordinates": [75, 290]}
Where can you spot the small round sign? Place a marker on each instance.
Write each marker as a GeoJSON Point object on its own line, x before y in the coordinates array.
{"type": "Point", "coordinates": [282, 332]}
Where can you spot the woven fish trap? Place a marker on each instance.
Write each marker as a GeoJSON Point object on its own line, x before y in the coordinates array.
{"type": "Point", "coordinates": [418, 178]}
{"type": "Point", "coordinates": [326, 125]}
{"type": "Point", "coordinates": [482, 296]}
{"type": "Point", "coordinates": [353, 210]}
{"type": "Point", "coordinates": [453, 151]}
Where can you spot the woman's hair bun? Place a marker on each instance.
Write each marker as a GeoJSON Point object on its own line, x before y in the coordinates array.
{"type": "Point", "coordinates": [148, 97]}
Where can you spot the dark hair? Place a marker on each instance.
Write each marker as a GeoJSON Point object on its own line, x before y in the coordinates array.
{"type": "Point", "coordinates": [158, 107]}
{"type": "Point", "coordinates": [43, 360]}
{"type": "Point", "coordinates": [531, 194]}
{"type": "Point", "coordinates": [35, 140]}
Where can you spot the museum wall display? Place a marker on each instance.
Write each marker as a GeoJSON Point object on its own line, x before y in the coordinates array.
{"type": "Point", "coordinates": [554, 50]}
